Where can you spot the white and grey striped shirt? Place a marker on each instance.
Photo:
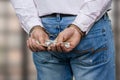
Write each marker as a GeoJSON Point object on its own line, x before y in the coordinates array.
{"type": "Point", "coordinates": [87, 11]}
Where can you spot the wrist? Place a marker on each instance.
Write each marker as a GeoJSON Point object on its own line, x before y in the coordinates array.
{"type": "Point", "coordinates": [37, 27]}
{"type": "Point", "coordinates": [78, 29]}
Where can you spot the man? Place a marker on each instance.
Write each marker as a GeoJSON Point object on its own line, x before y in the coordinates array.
{"type": "Point", "coordinates": [84, 24]}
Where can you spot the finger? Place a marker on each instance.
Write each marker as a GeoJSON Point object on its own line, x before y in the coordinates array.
{"type": "Point", "coordinates": [31, 45]}
{"type": "Point", "coordinates": [53, 47]}
{"type": "Point", "coordinates": [63, 48]}
{"type": "Point", "coordinates": [41, 48]}
{"type": "Point", "coordinates": [35, 45]}
{"type": "Point", "coordinates": [28, 44]}
{"type": "Point", "coordinates": [59, 48]}
{"type": "Point", "coordinates": [49, 49]}
{"type": "Point", "coordinates": [42, 42]}
{"type": "Point", "coordinates": [59, 39]}
{"type": "Point", "coordinates": [66, 50]}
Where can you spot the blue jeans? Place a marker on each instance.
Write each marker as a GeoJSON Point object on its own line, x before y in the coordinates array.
{"type": "Point", "coordinates": [92, 59]}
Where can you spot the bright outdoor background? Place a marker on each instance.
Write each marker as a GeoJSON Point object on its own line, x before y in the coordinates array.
{"type": "Point", "coordinates": [16, 60]}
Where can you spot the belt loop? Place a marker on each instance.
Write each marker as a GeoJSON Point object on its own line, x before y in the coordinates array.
{"type": "Point", "coordinates": [105, 16]}
{"type": "Point", "coordinates": [58, 17]}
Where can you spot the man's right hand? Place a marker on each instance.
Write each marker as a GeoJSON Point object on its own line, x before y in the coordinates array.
{"type": "Point", "coordinates": [39, 35]}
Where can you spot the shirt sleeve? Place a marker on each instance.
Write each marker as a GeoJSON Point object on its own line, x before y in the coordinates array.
{"type": "Point", "coordinates": [90, 12]}
{"type": "Point", "coordinates": [27, 13]}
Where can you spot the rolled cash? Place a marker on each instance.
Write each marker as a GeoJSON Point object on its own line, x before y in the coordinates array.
{"type": "Point", "coordinates": [49, 42]}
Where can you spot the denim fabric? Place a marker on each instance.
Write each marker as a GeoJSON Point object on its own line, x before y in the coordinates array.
{"type": "Point", "coordinates": [92, 59]}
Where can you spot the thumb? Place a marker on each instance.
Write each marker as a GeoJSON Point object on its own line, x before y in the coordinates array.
{"type": "Point", "coordinates": [59, 39]}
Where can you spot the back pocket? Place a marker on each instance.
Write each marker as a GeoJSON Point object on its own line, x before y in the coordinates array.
{"type": "Point", "coordinates": [91, 56]}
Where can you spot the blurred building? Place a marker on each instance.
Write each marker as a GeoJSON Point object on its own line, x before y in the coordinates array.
{"type": "Point", "coordinates": [16, 60]}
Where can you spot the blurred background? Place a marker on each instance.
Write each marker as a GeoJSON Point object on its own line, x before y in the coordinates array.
{"type": "Point", "coordinates": [16, 60]}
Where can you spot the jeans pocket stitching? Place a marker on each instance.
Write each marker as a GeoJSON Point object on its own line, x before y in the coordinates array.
{"type": "Point", "coordinates": [91, 62]}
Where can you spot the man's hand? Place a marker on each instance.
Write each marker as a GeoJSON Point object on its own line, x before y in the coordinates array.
{"type": "Point", "coordinates": [71, 35]}
{"type": "Point", "coordinates": [37, 38]}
